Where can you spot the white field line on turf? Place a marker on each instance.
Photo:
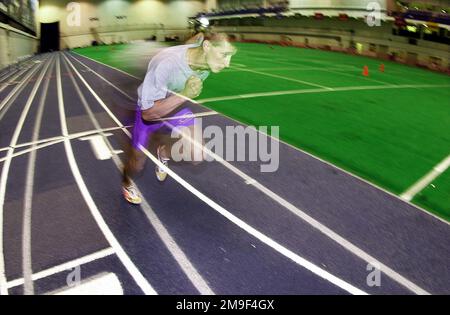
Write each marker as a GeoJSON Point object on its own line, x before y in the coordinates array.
{"type": "Point", "coordinates": [335, 71]}
{"type": "Point", "coordinates": [427, 179]}
{"type": "Point", "coordinates": [322, 228]}
{"type": "Point", "coordinates": [126, 261]}
{"type": "Point", "coordinates": [287, 62]}
{"type": "Point", "coordinates": [249, 229]}
{"type": "Point", "coordinates": [337, 89]}
{"type": "Point", "coordinates": [270, 59]}
{"type": "Point", "coordinates": [5, 173]}
{"type": "Point", "coordinates": [386, 73]}
{"type": "Point", "coordinates": [357, 76]}
{"type": "Point", "coordinates": [65, 266]}
{"type": "Point", "coordinates": [56, 140]}
{"type": "Point", "coordinates": [239, 69]}
{"type": "Point", "coordinates": [285, 78]}
{"type": "Point", "coordinates": [178, 254]}
{"type": "Point", "coordinates": [298, 149]}
{"type": "Point", "coordinates": [27, 269]}
{"type": "Point", "coordinates": [239, 64]}
{"type": "Point", "coordinates": [406, 77]}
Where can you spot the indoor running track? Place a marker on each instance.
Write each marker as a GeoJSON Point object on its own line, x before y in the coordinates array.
{"type": "Point", "coordinates": [215, 228]}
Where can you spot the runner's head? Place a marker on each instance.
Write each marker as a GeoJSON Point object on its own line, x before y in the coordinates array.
{"type": "Point", "coordinates": [217, 50]}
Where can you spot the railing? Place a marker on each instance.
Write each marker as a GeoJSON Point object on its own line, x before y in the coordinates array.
{"type": "Point", "coordinates": [427, 16]}
{"type": "Point", "coordinates": [260, 10]}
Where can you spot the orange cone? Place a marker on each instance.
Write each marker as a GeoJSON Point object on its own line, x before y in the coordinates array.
{"type": "Point", "coordinates": [382, 67]}
{"type": "Point", "coordinates": [365, 71]}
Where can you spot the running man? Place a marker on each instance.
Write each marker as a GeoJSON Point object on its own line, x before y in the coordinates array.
{"type": "Point", "coordinates": [174, 75]}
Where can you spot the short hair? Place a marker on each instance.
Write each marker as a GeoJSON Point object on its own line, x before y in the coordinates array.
{"type": "Point", "coordinates": [213, 37]}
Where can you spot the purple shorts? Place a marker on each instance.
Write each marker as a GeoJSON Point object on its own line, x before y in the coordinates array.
{"type": "Point", "coordinates": [144, 129]}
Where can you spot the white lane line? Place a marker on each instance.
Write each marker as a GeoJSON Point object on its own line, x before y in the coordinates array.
{"type": "Point", "coordinates": [106, 283]}
{"type": "Point", "coordinates": [316, 224]}
{"type": "Point", "coordinates": [5, 84]}
{"type": "Point", "coordinates": [16, 154]}
{"type": "Point", "coordinates": [263, 238]}
{"type": "Point", "coordinates": [70, 136]}
{"type": "Point", "coordinates": [129, 97]}
{"type": "Point", "coordinates": [108, 82]}
{"type": "Point", "coordinates": [427, 179]}
{"type": "Point", "coordinates": [99, 146]}
{"type": "Point", "coordinates": [4, 178]}
{"type": "Point", "coordinates": [257, 234]}
{"type": "Point", "coordinates": [95, 131]}
{"type": "Point", "coordinates": [303, 151]}
{"type": "Point", "coordinates": [65, 266]}
{"type": "Point", "coordinates": [180, 257]}
{"type": "Point", "coordinates": [197, 115]}
{"type": "Point", "coordinates": [16, 91]}
{"type": "Point", "coordinates": [27, 267]}
{"type": "Point", "coordinates": [311, 221]}
{"type": "Point", "coordinates": [337, 89]}
{"type": "Point", "coordinates": [57, 140]}
{"type": "Point", "coordinates": [286, 78]}
{"type": "Point", "coordinates": [104, 64]}
{"type": "Point", "coordinates": [7, 75]}
{"type": "Point", "coordinates": [126, 261]}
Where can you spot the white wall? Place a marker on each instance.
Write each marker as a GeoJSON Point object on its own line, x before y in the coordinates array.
{"type": "Point", "coordinates": [144, 19]}
{"type": "Point", "coordinates": [210, 4]}
{"type": "Point", "coordinates": [360, 4]}
{"type": "Point", "coordinates": [15, 44]}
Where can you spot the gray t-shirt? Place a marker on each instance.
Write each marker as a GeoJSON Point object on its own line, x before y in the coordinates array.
{"type": "Point", "coordinates": [167, 72]}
